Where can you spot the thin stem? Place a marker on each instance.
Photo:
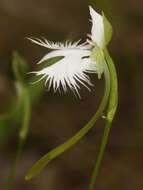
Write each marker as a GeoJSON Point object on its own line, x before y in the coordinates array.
{"type": "Point", "coordinates": [22, 137]}
{"type": "Point", "coordinates": [39, 165]}
{"type": "Point", "coordinates": [113, 101]}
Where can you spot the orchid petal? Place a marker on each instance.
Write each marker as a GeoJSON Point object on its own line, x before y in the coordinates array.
{"type": "Point", "coordinates": [97, 31]}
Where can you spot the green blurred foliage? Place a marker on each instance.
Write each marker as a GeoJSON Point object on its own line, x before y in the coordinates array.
{"type": "Point", "coordinates": [15, 113]}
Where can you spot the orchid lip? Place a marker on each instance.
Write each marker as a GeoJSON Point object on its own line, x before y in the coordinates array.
{"type": "Point", "coordinates": [72, 69]}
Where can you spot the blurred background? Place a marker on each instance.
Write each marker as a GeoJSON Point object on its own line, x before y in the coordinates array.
{"type": "Point", "coordinates": [57, 117]}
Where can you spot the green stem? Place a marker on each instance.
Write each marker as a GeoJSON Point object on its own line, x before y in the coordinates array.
{"type": "Point", "coordinates": [113, 101]}
{"type": "Point", "coordinates": [39, 165]}
{"type": "Point", "coordinates": [22, 137]}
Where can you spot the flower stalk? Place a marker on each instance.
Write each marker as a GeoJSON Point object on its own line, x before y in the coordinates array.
{"type": "Point", "coordinates": [113, 102]}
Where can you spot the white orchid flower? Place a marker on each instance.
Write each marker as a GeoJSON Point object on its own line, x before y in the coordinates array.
{"type": "Point", "coordinates": [78, 59]}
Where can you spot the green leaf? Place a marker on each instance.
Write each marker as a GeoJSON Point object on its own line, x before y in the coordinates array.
{"type": "Point", "coordinates": [14, 113]}
{"type": "Point", "coordinates": [19, 66]}
{"type": "Point", "coordinates": [108, 31]}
